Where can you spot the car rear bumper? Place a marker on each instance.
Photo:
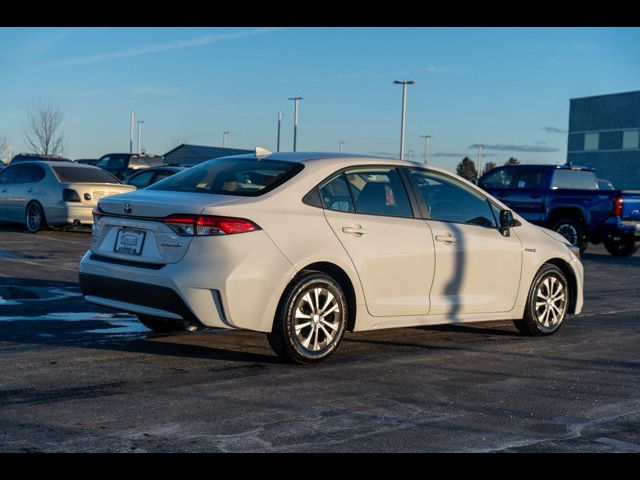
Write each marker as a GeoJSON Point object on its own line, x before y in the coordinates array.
{"type": "Point", "coordinates": [221, 282]}
{"type": "Point", "coordinates": [69, 213]}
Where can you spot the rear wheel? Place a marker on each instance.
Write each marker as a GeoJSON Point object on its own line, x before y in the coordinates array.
{"type": "Point", "coordinates": [572, 230]}
{"type": "Point", "coordinates": [547, 303]}
{"type": "Point", "coordinates": [311, 319]}
{"type": "Point", "coordinates": [34, 217]}
{"type": "Point", "coordinates": [622, 247]}
{"type": "Point", "coordinates": [161, 325]}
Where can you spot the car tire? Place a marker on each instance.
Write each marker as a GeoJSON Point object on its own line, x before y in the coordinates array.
{"type": "Point", "coordinates": [573, 231]}
{"type": "Point", "coordinates": [311, 319]}
{"type": "Point", "coordinates": [547, 303]}
{"type": "Point", "coordinates": [161, 325]}
{"type": "Point", "coordinates": [34, 218]}
{"type": "Point", "coordinates": [623, 247]}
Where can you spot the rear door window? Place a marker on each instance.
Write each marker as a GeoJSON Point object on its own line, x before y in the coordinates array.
{"type": "Point", "coordinates": [378, 191]}
{"type": "Point", "coordinates": [27, 173]}
{"type": "Point", "coordinates": [335, 195]}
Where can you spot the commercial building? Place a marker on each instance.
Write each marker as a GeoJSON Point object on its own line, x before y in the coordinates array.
{"type": "Point", "coordinates": [604, 133]}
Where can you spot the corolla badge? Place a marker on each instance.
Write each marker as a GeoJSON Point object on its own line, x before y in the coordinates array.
{"type": "Point", "coordinates": [127, 207]}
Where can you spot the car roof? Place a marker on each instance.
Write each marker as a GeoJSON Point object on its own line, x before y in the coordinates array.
{"type": "Point", "coordinates": [563, 166]}
{"type": "Point", "coordinates": [58, 163]}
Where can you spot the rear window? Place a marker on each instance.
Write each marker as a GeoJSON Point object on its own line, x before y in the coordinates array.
{"type": "Point", "coordinates": [575, 179]}
{"type": "Point", "coordinates": [83, 175]}
{"type": "Point", "coordinates": [231, 176]}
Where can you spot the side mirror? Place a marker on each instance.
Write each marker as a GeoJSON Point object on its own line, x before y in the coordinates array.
{"type": "Point", "coordinates": [506, 222]}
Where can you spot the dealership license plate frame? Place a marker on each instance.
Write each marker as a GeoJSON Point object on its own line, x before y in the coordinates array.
{"type": "Point", "coordinates": [125, 250]}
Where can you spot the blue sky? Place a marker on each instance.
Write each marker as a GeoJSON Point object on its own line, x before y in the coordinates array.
{"type": "Point", "coordinates": [508, 88]}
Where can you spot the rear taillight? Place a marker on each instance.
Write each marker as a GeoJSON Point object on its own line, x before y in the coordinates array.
{"type": "Point", "coordinates": [617, 209]}
{"type": "Point", "coordinates": [69, 195]}
{"type": "Point", "coordinates": [202, 225]}
{"type": "Point", "coordinates": [97, 213]}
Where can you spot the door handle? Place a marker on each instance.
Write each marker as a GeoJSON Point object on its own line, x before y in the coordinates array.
{"type": "Point", "coordinates": [446, 238]}
{"type": "Point", "coordinates": [355, 230]}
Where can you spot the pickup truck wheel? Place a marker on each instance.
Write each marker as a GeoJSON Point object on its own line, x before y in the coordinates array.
{"type": "Point", "coordinates": [572, 231]}
{"type": "Point", "coordinates": [623, 247]}
{"type": "Point", "coordinates": [547, 303]}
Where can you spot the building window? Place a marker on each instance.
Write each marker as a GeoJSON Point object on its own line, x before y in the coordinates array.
{"type": "Point", "coordinates": [630, 139]}
{"type": "Point", "coordinates": [591, 141]}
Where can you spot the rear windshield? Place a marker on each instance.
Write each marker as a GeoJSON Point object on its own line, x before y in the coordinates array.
{"type": "Point", "coordinates": [245, 177]}
{"type": "Point", "coordinates": [83, 175]}
{"type": "Point", "coordinates": [575, 179]}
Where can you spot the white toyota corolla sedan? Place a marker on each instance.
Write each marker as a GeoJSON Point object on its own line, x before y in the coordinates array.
{"type": "Point", "coordinates": [305, 246]}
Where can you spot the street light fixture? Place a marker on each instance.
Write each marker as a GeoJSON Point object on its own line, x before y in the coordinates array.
{"type": "Point", "coordinates": [224, 139]}
{"type": "Point", "coordinates": [404, 84]}
{"type": "Point", "coordinates": [133, 114]}
{"type": "Point", "coordinates": [479, 148]}
{"type": "Point", "coordinates": [140, 122]}
{"type": "Point", "coordinates": [295, 121]}
{"type": "Point", "coordinates": [426, 147]}
{"type": "Point", "coordinates": [280, 115]}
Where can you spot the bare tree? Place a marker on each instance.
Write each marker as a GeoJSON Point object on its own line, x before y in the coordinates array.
{"type": "Point", "coordinates": [43, 133]}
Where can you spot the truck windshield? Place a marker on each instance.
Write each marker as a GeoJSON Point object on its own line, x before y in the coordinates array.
{"type": "Point", "coordinates": [574, 179]}
{"type": "Point", "coordinates": [245, 177]}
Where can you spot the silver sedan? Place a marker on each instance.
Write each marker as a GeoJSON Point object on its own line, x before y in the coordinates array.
{"type": "Point", "coordinates": [42, 193]}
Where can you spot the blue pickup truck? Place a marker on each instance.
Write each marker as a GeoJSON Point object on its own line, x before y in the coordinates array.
{"type": "Point", "coordinates": [568, 199]}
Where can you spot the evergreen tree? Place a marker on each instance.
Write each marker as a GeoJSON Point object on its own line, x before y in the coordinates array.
{"type": "Point", "coordinates": [488, 167]}
{"type": "Point", "coordinates": [512, 161]}
{"type": "Point", "coordinates": [466, 169]}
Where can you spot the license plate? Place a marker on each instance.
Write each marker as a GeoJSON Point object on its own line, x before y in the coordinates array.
{"type": "Point", "coordinates": [129, 241]}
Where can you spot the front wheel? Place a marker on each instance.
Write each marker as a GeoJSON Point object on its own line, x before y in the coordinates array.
{"type": "Point", "coordinates": [547, 303]}
{"type": "Point", "coordinates": [34, 217]}
{"type": "Point", "coordinates": [311, 319]}
{"type": "Point", "coordinates": [623, 247]}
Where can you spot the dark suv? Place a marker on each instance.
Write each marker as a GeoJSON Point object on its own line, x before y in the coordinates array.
{"type": "Point", "coordinates": [123, 165]}
{"type": "Point", "coordinates": [27, 157]}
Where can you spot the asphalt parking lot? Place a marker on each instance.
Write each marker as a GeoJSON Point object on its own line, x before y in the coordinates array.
{"type": "Point", "coordinates": [75, 377]}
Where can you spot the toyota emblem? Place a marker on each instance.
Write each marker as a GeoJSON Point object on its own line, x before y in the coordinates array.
{"type": "Point", "coordinates": [127, 207]}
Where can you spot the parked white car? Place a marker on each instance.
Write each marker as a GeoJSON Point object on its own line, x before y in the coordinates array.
{"type": "Point", "coordinates": [56, 193]}
{"type": "Point", "coordinates": [304, 246]}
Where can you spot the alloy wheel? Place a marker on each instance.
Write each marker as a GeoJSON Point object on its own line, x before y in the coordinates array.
{"type": "Point", "coordinates": [34, 217]}
{"type": "Point", "coordinates": [316, 319]}
{"type": "Point", "coordinates": [550, 302]}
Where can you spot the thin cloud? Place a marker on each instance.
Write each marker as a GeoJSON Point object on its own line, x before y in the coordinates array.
{"type": "Point", "coordinates": [154, 90]}
{"type": "Point", "coordinates": [518, 148]}
{"type": "Point", "coordinates": [161, 47]}
{"type": "Point", "coordinates": [553, 130]}
{"type": "Point", "coordinates": [458, 155]}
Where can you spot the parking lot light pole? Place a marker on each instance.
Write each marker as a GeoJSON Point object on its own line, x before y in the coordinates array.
{"type": "Point", "coordinates": [340, 143]}
{"type": "Point", "coordinates": [295, 122]}
{"type": "Point", "coordinates": [133, 115]}
{"type": "Point", "coordinates": [404, 84]}
{"type": "Point", "coordinates": [280, 115]}
{"type": "Point", "coordinates": [224, 139]}
{"type": "Point", "coordinates": [426, 148]}
{"type": "Point", "coordinates": [140, 122]}
{"type": "Point", "coordinates": [479, 147]}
